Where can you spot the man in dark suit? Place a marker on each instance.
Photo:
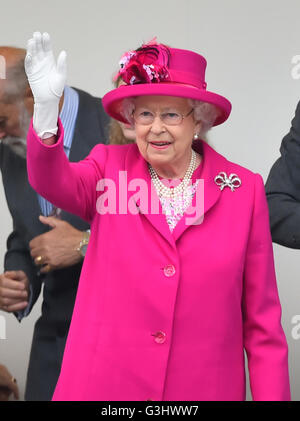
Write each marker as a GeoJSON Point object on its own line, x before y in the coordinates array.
{"type": "Point", "coordinates": [42, 250]}
{"type": "Point", "coordinates": [283, 189]}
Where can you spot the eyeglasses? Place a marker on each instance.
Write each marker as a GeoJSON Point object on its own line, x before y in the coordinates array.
{"type": "Point", "coordinates": [146, 118]}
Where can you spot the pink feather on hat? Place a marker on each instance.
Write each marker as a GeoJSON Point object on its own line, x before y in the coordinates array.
{"type": "Point", "coordinates": [147, 64]}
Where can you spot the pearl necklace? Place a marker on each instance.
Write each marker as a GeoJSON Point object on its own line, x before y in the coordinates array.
{"type": "Point", "coordinates": [181, 189]}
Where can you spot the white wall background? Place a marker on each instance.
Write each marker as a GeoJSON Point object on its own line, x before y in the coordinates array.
{"type": "Point", "coordinates": [249, 46]}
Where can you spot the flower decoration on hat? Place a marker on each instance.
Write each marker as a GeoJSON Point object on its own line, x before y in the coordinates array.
{"type": "Point", "coordinates": [147, 64]}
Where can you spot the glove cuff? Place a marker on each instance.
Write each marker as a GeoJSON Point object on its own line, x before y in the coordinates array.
{"type": "Point", "coordinates": [45, 116]}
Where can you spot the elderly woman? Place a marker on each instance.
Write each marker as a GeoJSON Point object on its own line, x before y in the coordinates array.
{"type": "Point", "coordinates": [179, 275]}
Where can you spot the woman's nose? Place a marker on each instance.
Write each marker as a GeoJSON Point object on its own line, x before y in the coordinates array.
{"type": "Point", "coordinates": [157, 126]}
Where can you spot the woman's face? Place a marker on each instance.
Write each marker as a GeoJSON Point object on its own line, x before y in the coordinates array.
{"type": "Point", "coordinates": [179, 137]}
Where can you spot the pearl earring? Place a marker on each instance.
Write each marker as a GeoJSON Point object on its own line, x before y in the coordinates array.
{"type": "Point", "coordinates": [196, 136]}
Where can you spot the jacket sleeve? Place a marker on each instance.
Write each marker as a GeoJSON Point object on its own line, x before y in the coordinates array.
{"type": "Point", "coordinates": [264, 338]}
{"type": "Point", "coordinates": [283, 189]}
{"type": "Point", "coordinates": [18, 257]}
{"type": "Point", "coordinates": [69, 186]}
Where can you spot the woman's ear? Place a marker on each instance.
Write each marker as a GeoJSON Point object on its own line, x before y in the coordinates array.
{"type": "Point", "coordinates": [198, 127]}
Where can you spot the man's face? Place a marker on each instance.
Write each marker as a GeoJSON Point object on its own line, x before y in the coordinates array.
{"type": "Point", "coordinates": [14, 124]}
{"type": "Point", "coordinates": [10, 119]}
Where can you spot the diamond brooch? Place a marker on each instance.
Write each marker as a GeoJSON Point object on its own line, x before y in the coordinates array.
{"type": "Point", "coordinates": [233, 181]}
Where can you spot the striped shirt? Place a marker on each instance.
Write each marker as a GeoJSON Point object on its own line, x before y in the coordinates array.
{"type": "Point", "coordinates": [68, 117]}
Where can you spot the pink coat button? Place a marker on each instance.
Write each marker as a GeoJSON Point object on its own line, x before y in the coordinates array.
{"type": "Point", "coordinates": [159, 337]}
{"type": "Point", "coordinates": [169, 270]}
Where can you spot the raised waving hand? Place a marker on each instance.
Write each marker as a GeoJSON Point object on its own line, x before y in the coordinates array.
{"type": "Point", "coordinates": [47, 79]}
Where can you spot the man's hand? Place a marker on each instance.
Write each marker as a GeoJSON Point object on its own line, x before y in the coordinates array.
{"type": "Point", "coordinates": [14, 291]}
{"type": "Point", "coordinates": [56, 249]}
{"type": "Point", "coordinates": [8, 385]}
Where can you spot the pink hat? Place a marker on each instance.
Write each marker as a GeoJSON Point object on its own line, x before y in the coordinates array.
{"type": "Point", "coordinates": [155, 69]}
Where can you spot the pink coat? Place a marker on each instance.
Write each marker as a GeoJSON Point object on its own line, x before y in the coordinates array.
{"type": "Point", "coordinates": [165, 316]}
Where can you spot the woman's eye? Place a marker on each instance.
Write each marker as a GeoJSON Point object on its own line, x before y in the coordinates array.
{"type": "Point", "coordinates": [145, 114]}
{"type": "Point", "coordinates": [171, 115]}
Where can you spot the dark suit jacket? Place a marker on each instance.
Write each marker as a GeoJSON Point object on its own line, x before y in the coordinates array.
{"type": "Point", "coordinates": [60, 286]}
{"type": "Point", "coordinates": [283, 189]}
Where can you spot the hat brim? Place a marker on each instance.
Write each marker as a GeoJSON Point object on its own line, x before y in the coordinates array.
{"type": "Point", "coordinates": [112, 101]}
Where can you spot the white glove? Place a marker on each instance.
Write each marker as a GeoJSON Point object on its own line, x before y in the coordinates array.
{"type": "Point", "coordinates": [47, 80]}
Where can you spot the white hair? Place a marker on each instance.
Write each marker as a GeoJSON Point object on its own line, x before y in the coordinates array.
{"type": "Point", "coordinates": [206, 113]}
{"type": "Point", "coordinates": [203, 111]}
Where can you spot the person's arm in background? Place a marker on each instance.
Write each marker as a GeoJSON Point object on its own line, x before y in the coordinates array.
{"type": "Point", "coordinates": [283, 189]}
{"type": "Point", "coordinates": [264, 338]}
{"type": "Point", "coordinates": [58, 248]}
{"type": "Point", "coordinates": [8, 385]}
{"type": "Point", "coordinates": [20, 284]}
